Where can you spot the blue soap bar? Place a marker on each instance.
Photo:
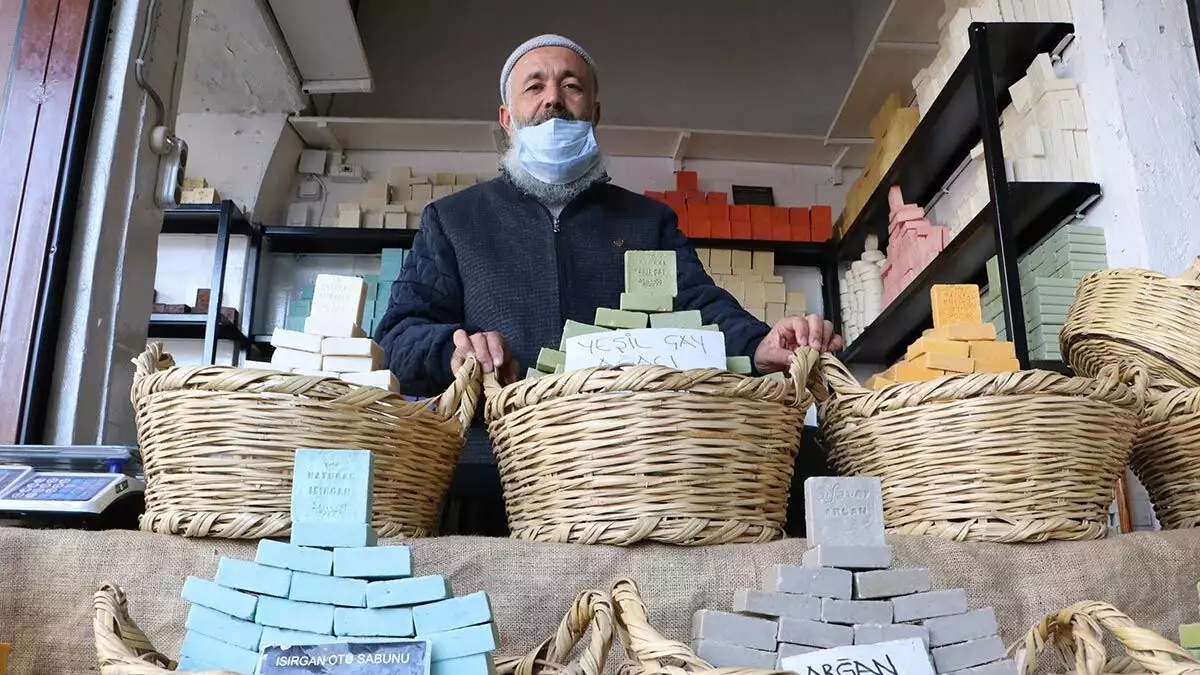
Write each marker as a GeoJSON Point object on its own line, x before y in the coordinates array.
{"type": "Point", "coordinates": [414, 591]}
{"type": "Point", "coordinates": [294, 615]}
{"type": "Point", "coordinates": [328, 590]}
{"type": "Point", "coordinates": [394, 622]}
{"type": "Point", "coordinates": [438, 617]}
{"type": "Point", "coordinates": [276, 637]}
{"type": "Point", "coordinates": [333, 535]}
{"type": "Point", "coordinates": [462, 641]}
{"type": "Point", "coordinates": [247, 576]}
{"type": "Point", "coordinates": [212, 595]}
{"type": "Point", "coordinates": [223, 627]}
{"type": "Point", "coordinates": [191, 664]}
{"type": "Point", "coordinates": [292, 557]}
{"type": "Point", "coordinates": [373, 562]}
{"type": "Point", "coordinates": [220, 655]}
{"type": "Point", "coordinates": [475, 664]}
{"type": "Point", "coordinates": [332, 486]}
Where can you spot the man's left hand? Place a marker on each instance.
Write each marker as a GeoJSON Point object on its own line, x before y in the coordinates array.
{"type": "Point", "coordinates": [777, 349]}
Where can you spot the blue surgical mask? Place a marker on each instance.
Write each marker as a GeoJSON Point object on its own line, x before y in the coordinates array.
{"type": "Point", "coordinates": [558, 151]}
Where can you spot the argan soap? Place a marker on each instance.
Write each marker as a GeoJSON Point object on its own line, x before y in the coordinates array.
{"type": "Point", "coordinates": [992, 350]}
{"type": "Point", "coordinates": [936, 346]}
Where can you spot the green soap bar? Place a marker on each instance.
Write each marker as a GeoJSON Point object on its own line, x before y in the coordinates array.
{"type": "Point", "coordinates": [651, 272]}
{"type": "Point", "coordinates": [775, 376]}
{"type": "Point", "coordinates": [688, 319]}
{"type": "Point", "coordinates": [560, 368]}
{"type": "Point", "coordinates": [549, 359]}
{"type": "Point", "coordinates": [616, 318]}
{"type": "Point", "coordinates": [1189, 635]}
{"type": "Point", "coordinates": [534, 373]}
{"type": "Point", "coordinates": [575, 329]}
{"type": "Point", "coordinates": [711, 327]}
{"type": "Point", "coordinates": [1195, 653]}
{"type": "Point", "coordinates": [644, 302]}
{"type": "Point", "coordinates": [738, 364]}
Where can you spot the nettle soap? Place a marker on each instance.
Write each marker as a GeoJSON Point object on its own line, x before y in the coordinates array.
{"type": "Point", "coordinates": [332, 486]}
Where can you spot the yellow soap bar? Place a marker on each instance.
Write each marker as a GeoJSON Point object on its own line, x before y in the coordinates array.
{"type": "Point", "coordinates": [878, 382]}
{"type": "Point", "coordinates": [955, 303]}
{"type": "Point", "coordinates": [966, 332]}
{"type": "Point", "coordinates": [934, 345]}
{"type": "Point", "coordinates": [911, 372]}
{"type": "Point", "coordinates": [947, 362]}
{"type": "Point", "coordinates": [997, 365]}
{"type": "Point", "coordinates": [992, 350]}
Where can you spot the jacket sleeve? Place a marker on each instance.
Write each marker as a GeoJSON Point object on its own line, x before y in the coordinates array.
{"type": "Point", "coordinates": [742, 330]}
{"type": "Point", "coordinates": [425, 308]}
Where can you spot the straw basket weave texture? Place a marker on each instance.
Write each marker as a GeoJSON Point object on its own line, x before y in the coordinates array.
{"type": "Point", "coordinates": [1166, 454]}
{"type": "Point", "coordinates": [1126, 317]}
{"type": "Point", "coordinates": [616, 456]}
{"type": "Point", "coordinates": [218, 445]}
{"type": "Point", "coordinates": [1004, 457]}
{"type": "Point", "coordinates": [1078, 634]}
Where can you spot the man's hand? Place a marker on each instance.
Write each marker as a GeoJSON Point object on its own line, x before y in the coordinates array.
{"type": "Point", "coordinates": [490, 349]}
{"type": "Point", "coordinates": [777, 349]}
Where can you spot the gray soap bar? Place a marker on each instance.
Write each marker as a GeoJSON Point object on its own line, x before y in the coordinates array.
{"type": "Point", "coordinates": [947, 630]}
{"type": "Point", "coordinates": [767, 603]}
{"type": "Point", "coordinates": [820, 582]}
{"type": "Point", "coordinates": [1005, 667]}
{"type": "Point", "coordinates": [843, 511]}
{"type": "Point", "coordinates": [929, 605]}
{"type": "Point", "coordinates": [787, 650]}
{"type": "Point", "coordinates": [874, 633]}
{"type": "Point", "coordinates": [814, 633]}
{"type": "Point", "coordinates": [967, 654]}
{"type": "Point", "coordinates": [890, 583]}
{"type": "Point", "coordinates": [850, 612]}
{"type": "Point", "coordinates": [849, 557]}
{"type": "Point", "coordinates": [734, 629]}
{"type": "Point", "coordinates": [722, 655]}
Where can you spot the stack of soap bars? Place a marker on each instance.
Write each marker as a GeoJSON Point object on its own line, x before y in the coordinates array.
{"type": "Point", "coordinates": [331, 584]}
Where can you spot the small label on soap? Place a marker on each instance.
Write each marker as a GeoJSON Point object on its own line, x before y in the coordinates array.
{"type": "Point", "coordinates": [397, 657]}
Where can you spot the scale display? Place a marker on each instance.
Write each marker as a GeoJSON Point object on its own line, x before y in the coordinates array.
{"type": "Point", "coordinates": [12, 474]}
{"type": "Point", "coordinates": [67, 491]}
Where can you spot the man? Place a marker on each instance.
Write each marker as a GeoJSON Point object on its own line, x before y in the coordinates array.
{"type": "Point", "coordinates": [496, 269]}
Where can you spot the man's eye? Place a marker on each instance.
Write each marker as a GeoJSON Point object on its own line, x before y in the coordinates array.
{"type": "Point", "coordinates": [534, 87]}
{"type": "Point", "coordinates": [572, 85]}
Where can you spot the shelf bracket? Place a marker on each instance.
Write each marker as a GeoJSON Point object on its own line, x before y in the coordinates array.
{"type": "Point", "coordinates": [835, 169]}
{"type": "Point", "coordinates": [328, 138]}
{"type": "Point", "coordinates": [681, 143]}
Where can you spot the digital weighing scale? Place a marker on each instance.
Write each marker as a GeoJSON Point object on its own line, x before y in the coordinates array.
{"type": "Point", "coordinates": [71, 486]}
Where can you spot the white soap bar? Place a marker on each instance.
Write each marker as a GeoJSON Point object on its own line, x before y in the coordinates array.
{"type": "Point", "coordinates": [327, 327]}
{"type": "Point", "coordinates": [352, 364]}
{"type": "Point", "coordinates": [296, 359]}
{"type": "Point", "coordinates": [265, 365]}
{"type": "Point", "coordinates": [294, 339]}
{"type": "Point", "coordinates": [339, 297]}
{"type": "Point", "coordinates": [339, 346]}
{"type": "Point", "coordinates": [316, 373]}
{"type": "Point", "coordinates": [384, 379]}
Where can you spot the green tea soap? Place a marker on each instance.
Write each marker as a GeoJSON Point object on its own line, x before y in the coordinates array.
{"type": "Point", "coordinates": [689, 319]}
{"type": "Point", "coordinates": [711, 327]}
{"type": "Point", "coordinates": [738, 364]}
{"type": "Point", "coordinates": [549, 359]}
{"type": "Point", "coordinates": [616, 318]}
{"type": "Point", "coordinates": [645, 302]}
{"type": "Point", "coordinates": [651, 272]}
{"type": "Point", "coordinates": [575, 329]}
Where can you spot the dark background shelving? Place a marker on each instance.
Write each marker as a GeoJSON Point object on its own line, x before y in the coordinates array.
{"type": "Point", "coordinates": [335, 240]}
{"type": "Point", "coordinates": [202, 219]}
{"type": "Point", "coordinates": [788, 253]}
{"type": "Point", "coordinates": [190, 326]}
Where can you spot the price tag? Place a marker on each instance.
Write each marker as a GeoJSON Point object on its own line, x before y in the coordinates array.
{"type": "Point", "coordinates": [672, 347]}
{"type": "Point", "coordinates": [396, 657]}
{"type": "Point", "coordinates": [899, 657]}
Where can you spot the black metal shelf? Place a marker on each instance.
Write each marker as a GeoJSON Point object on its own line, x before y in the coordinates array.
{"type": "Point", "coordinates": [951, 127]}
{"type": "Point", "coordinates": [202, 219]}
{"type": "Point", "coordinates": [191, 327]}
{"type": "Point", "coordinates": [1038, 208]}
{"type": "Point", "coordinates": [338, 240]}
{"type": "Point", "coordinates": [789, 253]}
{"type": "Point", "coordinates": [1053, 366]}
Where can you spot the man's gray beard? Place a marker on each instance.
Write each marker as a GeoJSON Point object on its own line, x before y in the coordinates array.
{"type": "Point", "coordinates": [549, 194]}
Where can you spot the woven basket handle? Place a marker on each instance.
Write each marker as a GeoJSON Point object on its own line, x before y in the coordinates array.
{"type": "Point", "coordinates": [649, 651]}
{"type": "Point", "coordinates": [1192, 273]}
{"type": "Point", "coordinates": [121, 647]}
{"type": "Point", "coordinates": [590, 609]}
{"type": "Point", "coordinates": [462, 396]}
{"type": "Point", "coordinates": [154, 359]}
{"type": "Point", "coordinates": [1077, 633]}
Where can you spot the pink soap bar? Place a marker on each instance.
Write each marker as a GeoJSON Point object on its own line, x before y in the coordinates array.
{"type": "Point", "coordinates": [908, 213]}
{"type": "Point", "coordinates": [945, 237]}
{"type": "Point", "coordinates": [895, 198]}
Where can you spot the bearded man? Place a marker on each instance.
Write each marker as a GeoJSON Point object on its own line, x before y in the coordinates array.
{"type": "Point", "coordinates": [497, 269]}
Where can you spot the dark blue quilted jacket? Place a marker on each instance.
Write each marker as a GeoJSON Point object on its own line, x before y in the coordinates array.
{"type": "Point", "coordinates": [491, 258]}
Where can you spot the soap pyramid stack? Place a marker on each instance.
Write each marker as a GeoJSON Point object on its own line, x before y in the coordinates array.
{"type": "Point", "coordinates": [332, 343]}
{"type": "Point", "coordinates": [331, 584]}
{"type": "Point", "coordinates": [651, 284]}
{"type": "Point", "coordinates": [846, 593]}
{"type": "Point", "coordinates": [959, 342]}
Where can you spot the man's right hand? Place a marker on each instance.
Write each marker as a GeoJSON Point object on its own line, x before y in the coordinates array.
{"type": "Point", "coordinates": [490, 349]}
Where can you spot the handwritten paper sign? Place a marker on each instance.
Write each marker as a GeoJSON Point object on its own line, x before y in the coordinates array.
{"type": "Point", "coordinates": [672, 347]}
{"type": "Point", "coordinates": [397, 657]}
{"type": "Point", "coordinates": [899, 657]}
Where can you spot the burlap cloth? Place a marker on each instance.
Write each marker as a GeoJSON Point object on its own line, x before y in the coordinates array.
{"type": "Point", "coordinates": [47, 578]}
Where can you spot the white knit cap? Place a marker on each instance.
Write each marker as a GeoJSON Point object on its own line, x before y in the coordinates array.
{"type": "Point", "coordinates": [547, 40]}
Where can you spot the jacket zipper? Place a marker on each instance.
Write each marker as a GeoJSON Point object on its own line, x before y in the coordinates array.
{"type": "Point", "coordinates": [559, 262]}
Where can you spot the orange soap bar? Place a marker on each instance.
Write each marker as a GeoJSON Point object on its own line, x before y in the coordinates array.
{"type": "Point", "coordinates": [695, 196]}
{"type": "Point", "coordinates": [700, 230]}
{"type": "Point", "coordinates": [717, 211]}
{"type": "Point", "coordinates": [801, 232]}
{"type": "Point", "coordinates": [684, 226]}
{"type": "Point", "coordinates": [947, 362]}
{"type": "Point", "coordinates": [911, 372]}
{"type": "Point", "coordinates": [697, 212]}
{"type": "Point", "coordinates": [739, 213]}
{"type": "Point", "coordinates": [992, 351]}
{"type": "Point", "coordinates": [716, 197]}
{"type": "Point", "coordinates": [687, 180]}
{"type": "Point", "coordinates": [997, 365]}
{"type": "Point", "coordinates": [722, 229]}
{"type": "Point", "coordinates": [822, 222]}
{"type": "Point", "coordinates": [781, 231]}
{"type": "Point", "coordinates": [936, 346]}
{"type": "Point", "coordinates": [655, 195]}
{"type": "Point", "coordinates": [742, 230]}
{"type": "Point", "coordinates": [779, 215]}
{"type": "Point", "coordinates": [674, 195]}
{"type": "Point", "coordinates": [955, 303]}
{"type": "Point", "coordinates": [760, 231]}
{"type": "Point", "coordinates": [965, 332]}
{"type": "Point", "coordinates": [760, 214]}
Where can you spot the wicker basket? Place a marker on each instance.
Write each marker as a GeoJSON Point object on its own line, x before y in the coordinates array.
{"type": "Point", "coordinates": [1003, 457]}
{"type": "Point", "coordinates": [218, 445]}
{"type": "Point", "coordinates": [1166, 455]}
{"type": "Point", "coordinates": [1078, 635]}
{"type": "Point", "coordinates": [1127, 317]}
{"type": "Point", "coordinates": [617, 456]}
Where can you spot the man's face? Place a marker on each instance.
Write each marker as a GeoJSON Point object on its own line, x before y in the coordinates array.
{"type": "Point", "coordinates": [546, 83]}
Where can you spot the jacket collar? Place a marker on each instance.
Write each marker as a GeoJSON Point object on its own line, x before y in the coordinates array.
{"type": "Point", "coordinates": [604, 179]}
